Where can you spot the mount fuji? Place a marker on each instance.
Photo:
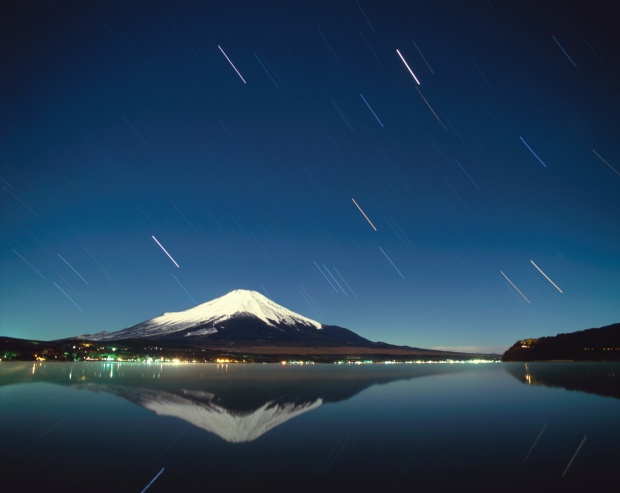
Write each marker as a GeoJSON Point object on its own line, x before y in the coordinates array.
{"type": "Point", "coordinates": [241, 319]}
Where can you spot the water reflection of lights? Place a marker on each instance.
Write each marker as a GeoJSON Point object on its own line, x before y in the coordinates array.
{"type": "Point", "coordinates": [528, 376]}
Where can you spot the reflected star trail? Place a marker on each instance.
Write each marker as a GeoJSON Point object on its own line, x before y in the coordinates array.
{"type": "Point", "coordinates": [470, 145]}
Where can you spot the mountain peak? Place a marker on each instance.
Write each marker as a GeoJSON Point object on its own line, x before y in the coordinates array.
{"type": "Point", "coordinates": [235, 304]}
{"type": "Point", "coordinates": [244, 294]}
{"type": "Point", "coordinates": [247, 302]}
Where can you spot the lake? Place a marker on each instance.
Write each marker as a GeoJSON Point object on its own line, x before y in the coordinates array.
{"type": "Point", "coordinates": [403, 427]}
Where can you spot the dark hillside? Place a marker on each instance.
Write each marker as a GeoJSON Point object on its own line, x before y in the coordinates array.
{"type": "Point", "coordinates": [600, 344]}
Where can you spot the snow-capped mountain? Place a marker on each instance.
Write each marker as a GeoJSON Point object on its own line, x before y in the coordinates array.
{"type": "Point", "coordinates": [203, 319]}
{"type": "Point", "coordinates": [240, 317]}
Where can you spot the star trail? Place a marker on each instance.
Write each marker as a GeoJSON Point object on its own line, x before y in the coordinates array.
{"type": "Point", "coordinates": [237, 133]}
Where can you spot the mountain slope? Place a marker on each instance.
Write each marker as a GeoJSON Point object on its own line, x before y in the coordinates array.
{"type": "Point", "coordinates": [245, 322]}
{"type": "Point", "coordinates": [239, 318]}
{"type": "Point", "coordinates": [202, 319]}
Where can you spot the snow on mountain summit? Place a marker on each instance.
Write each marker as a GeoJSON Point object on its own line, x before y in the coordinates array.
{"type": "Point", "coordinates": [235, 303]}
{"type": "Point", "coordinates": [240, 302]}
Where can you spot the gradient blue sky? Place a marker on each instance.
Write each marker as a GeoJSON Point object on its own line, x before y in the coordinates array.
{"type": "Point", "coordinates": [120, 123]}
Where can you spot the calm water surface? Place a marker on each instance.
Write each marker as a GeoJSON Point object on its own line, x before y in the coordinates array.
{"type": "Point", "coordinates": [440, 427]}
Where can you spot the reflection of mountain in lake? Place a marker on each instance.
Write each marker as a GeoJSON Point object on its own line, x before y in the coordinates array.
{"type": "Point", "coordinates": [594, 378]}
{"type": "Point", "coordinates": [238, 403]}
{"type": "Point", "coordinates": [200, 409]}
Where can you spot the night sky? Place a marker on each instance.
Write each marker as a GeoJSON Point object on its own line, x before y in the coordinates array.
{"type": "Point", "coordinates": [241, 136]}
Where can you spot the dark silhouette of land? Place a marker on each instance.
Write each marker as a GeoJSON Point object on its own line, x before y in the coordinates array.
{"type": "Point", "coordinates": [145, 349]}
{"type": "Point", "coordinates": [599, 344]}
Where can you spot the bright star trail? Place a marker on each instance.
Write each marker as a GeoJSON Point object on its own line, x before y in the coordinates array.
{"type": "Point", "coordinates": [408, 67]}
{"type": "Point", "coordinates": [68, 297]}
{"type": "Point", "coordinates": [165, 251]}
{"type": "Point", "coordinates": [364, 214]}
{"type": "Point", "coordinates": [71, 267]}
{"type": "Point", "coordinates": [232, 64]}
{"type": "Point", "coordinates": [512, 284]}
{"type": "Point", "coordinates": [125, 123]}
{"type": "Point", "coordinates": [546, 277]}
